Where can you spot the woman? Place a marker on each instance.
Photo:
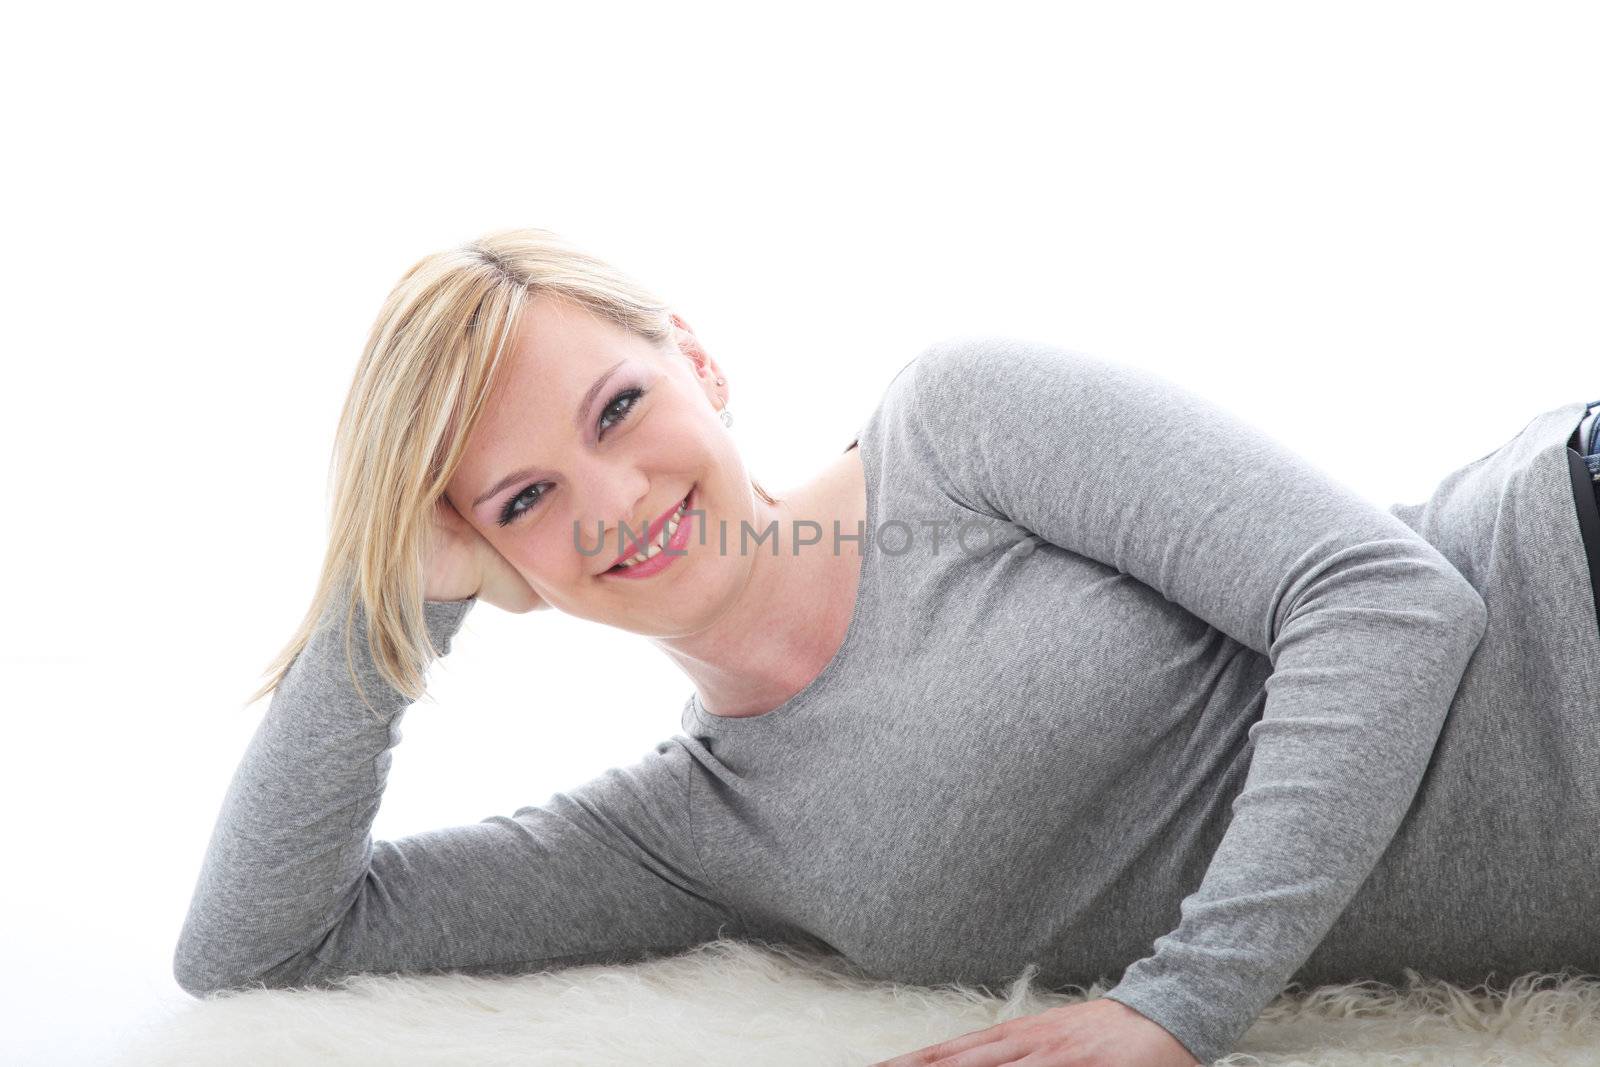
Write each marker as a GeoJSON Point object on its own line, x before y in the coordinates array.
{"type": "Point", "coordinates": [1009, 685]}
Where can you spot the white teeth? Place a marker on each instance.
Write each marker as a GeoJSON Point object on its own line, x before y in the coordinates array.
{"type": "Point", "coordinates": [661, 542]}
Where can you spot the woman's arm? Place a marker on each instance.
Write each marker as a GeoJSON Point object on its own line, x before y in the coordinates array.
{"type": "Point", "coordinates": [293, 890]}
{"type": "Point", "coordinates": [1368, 627]}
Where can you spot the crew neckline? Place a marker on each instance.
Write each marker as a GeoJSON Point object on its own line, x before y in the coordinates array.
{"type": "Point", "coordinates": [789, 708]}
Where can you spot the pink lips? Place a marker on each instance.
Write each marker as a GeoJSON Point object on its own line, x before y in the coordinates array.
{"type": "Point", "coordinates": [632, 548]}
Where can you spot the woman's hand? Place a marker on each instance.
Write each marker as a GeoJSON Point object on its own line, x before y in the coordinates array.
{"type": "Point", "coordinates": [462, 563]}
{"type": "Point", "coordinates": [1094, 1033]}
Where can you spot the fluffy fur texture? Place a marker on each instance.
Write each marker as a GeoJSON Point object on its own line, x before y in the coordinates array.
{"type": "Point", "coordinates": [737, 1003]}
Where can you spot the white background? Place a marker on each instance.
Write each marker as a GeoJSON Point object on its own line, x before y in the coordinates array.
{"type": "Point", "coordinates": [1371, 228]}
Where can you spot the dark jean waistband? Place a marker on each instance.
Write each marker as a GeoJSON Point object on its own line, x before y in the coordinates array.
{"type": "Point", "coordinates": [1583, 462]}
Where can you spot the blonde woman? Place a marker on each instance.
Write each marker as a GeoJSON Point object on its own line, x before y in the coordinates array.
{"type": "Point", "coordinates": [1053, 663]}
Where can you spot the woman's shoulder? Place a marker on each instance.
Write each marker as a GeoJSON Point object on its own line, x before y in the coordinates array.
{"type": "Point", "coordinates": [959, 360]}
{"type": "Point", "coordinates": [950, 391]}
{"type": "Point", "coordinates": [956, 372]}
{"type": "Point", "coordinates": [940, 374]}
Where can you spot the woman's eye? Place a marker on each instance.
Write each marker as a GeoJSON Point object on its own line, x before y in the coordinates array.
{"type": "Point", "coordinates": [631, 395]}
{"type": "Point", "coordinates": [511, 512]}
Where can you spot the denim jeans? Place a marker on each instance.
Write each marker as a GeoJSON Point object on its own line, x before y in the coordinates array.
{"type": "Point", "coordinates": [1589, 448]}
{"type": "Point", "coordinates": [1583, 460]}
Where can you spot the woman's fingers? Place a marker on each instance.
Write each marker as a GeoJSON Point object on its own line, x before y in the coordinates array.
{"type": "Point", "coordinates": [501, 584]}
{"type": "Point", "coordinates": [454, 567]}
{"type": "Point", "coordinates": [504, 586]}
{"type": "Point", "coordinates": [463, 563]}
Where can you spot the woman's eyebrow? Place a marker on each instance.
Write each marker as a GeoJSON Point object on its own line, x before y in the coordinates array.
{"type": "Point", "coordinates": [589, 394]}
{"type": "Point", "coordinates": [577, 422]}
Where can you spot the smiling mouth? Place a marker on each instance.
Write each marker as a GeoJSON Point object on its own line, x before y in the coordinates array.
{"type": "Point", "coordinates": [668, 529]}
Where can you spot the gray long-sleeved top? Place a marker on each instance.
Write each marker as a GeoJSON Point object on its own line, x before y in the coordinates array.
{"type": "Point", "coordinates": [1203, 719]}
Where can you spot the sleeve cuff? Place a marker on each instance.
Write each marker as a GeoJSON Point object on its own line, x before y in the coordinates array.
{"type": "Point", "coordinates": [1210, 1028]}
{"type": "Point", "coordinates": [443, 618]}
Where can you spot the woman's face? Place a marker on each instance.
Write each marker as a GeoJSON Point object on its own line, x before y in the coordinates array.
{"type": "Point", "coordinates": [591, 427]}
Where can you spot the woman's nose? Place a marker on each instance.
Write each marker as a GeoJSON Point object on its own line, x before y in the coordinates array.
{"type": "Point", "coordinates": [622, 501]}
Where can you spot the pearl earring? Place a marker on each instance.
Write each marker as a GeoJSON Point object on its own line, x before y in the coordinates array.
{"type": "Point", "coordinates": [727, 416]}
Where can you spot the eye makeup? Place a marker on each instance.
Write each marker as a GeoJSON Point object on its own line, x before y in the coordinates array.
{"type": "Point", "coordinates": [617, 410]}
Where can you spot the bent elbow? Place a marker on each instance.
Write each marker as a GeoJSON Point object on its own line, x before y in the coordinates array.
{"type": "Point", "coordinates": [199, 978]}
{"type": "Point", "coordinates": [201, 973]}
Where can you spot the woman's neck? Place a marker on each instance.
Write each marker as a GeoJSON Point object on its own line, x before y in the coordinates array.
{"type": "Point", "coordinates": [794, 612]}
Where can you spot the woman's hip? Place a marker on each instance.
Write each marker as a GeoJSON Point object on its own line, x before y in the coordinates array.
{"type": "Point", "coordinates": [1583, 461]}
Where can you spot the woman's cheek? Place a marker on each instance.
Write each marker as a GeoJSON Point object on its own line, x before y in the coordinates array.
{"type": "Point", "coordinates": [554, 550]}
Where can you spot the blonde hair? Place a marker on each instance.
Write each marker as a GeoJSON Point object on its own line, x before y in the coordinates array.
{"type": "Point", "coordinates": [429, 365]}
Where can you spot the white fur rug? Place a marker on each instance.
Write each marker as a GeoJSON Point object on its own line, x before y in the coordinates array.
{"type": "Point", "coordinates": [737, 1004]}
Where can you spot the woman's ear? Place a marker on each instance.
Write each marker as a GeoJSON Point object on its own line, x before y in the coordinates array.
{"type": "Point", "coordinates": [706, 370]}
